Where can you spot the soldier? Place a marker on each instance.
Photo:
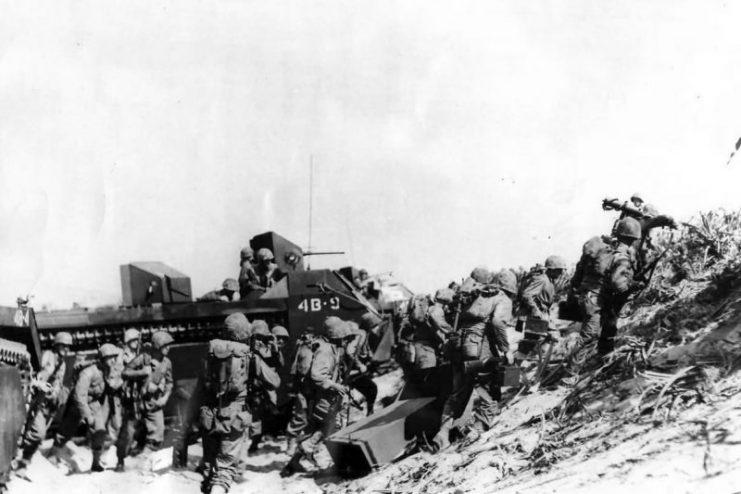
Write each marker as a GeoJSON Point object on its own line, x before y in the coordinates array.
{"type": "Point", "coordinates": [263, 400]}
{"type": "Point", "coordinates": [229, 292]}
{"type": "Point", "coordinates": [136, 369]}
{"type": "Point", "coordinates": [281, 338]}
{"type": "Point", "coordinates": [247, 275]}
{"type": "Point", "coordinates": [358, 359]}
{"type": "Point", "coordinates": [149, 401]}
{"type": "Point", "coordinates": [225, 415]}
{"type": "Point", "coordinates": [235, 324]}
{"type": "Point", "coordinates": [266, 270]}
{"type": "Point", "coordinates": [620, 282]}
{"type": "Point", "coordinates": [48, 394]}
{"type": "Point", "coordinates": [324, 389]}
{"type": "Point", "coordinates": [90, 404]}
{"type": "Point", "coordinates": [638, 203]}
{"type": "Point", "coordinates": [587, 287]}
{"type": "Point", "coordinates": [426, 328]}
{"type": "Point", "coordinates": [486, 312]}
{"type": "Point", "coordinates": [536, 299]}
{"type": "Point", "coordinates": [299, 373]}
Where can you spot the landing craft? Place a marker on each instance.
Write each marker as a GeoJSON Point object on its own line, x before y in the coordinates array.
{"type": "Point", "coordinates": [159, 298]}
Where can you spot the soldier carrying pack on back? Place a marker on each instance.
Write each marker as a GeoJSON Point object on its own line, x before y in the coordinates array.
{"type": "Point", "coordinates": [485, 314]}
{"type": "Point", "coordinates": [90, 404]}
{"type": "Point", "coordinates": [224, 415]}
{"type": "Point", "coordinates": [324, 390]}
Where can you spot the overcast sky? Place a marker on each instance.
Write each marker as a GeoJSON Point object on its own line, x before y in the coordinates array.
{"type": "Point", "coordinates": [444, 135]}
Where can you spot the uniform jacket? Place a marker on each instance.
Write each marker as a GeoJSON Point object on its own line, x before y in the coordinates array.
{"type": "Point", "coordinates": [537, 297]}
{"type": "Point", "coordinates": [52, 372]}
{"type": "Point", "coordinates": [159, 384]}
{"type": "Point", "coordinates": [90, 391]}
{"type": "Point", "coordinates": [302, 360]}
{"type": "Point", "coordinates": [325, 365]}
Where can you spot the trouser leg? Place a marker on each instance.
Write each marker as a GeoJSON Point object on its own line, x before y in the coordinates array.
{"type": "Point", "coordinates": [591, 311]}
{"type": "Point", "coordinates": [35, 431]}
{"type": "Point", "coordinates": [154, 423]}
{"type": "Point", "coordinates": [299, 416]}
{"type": "Point", "coordinates": [489, 395]}
{"type": "Point", "coordinates": [228, 450]}
{"type": "Point", "coordinates": [126, 435]}
{"type": "Point", "coordinates": [455, 404]}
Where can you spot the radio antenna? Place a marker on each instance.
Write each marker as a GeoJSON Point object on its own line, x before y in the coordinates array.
{"type": "Point", "coordinates": [311, 198]}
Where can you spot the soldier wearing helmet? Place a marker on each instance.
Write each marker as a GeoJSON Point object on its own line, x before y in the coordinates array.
{"type": "Point", "coordinates": [537, 296]}
{"type": "Point", "coordinates": [264, 400]}
{"type": "Point", "coordinates": [357, 362]}
{"type": "Point", "coordinates": [485, 315]}
{"type": "Point", "coordinates": [266, 271]}
{"type": "Point", "coordinates": [299, 372]}
{"type": "Point", "coordinates": [247, 275]}
{"type": "Point", "coordinates": [620, 281]}
{"type": "Point", "coordinates": [224, 412]}
{"type": "Point", "coordinates": [157, 389]}
{"type": "Point", "coordinates": [90, 404]}
{"type": "Point", "coordinates": [49, 393]}
{"type": "Point", "coordinates": [324, 383]}
{"type": "Point", "coordinates": [229, 292]}
{"type": "Point", "coordinates": [135, 368]}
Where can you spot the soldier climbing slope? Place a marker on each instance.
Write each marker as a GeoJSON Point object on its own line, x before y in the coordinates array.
{"type": "Point", "coordinates": [486, 312]}
{"type": "Point", "coordinates": [325, 390]}
{"type": "Point", "coordinates": [357, 361]}
{"type": "Point", "coordinates": [49, 394]}
{"type": "Point", "coordinates": [224, 414]}
{"type": "Point", "coordinates": [620, 282]}
{"type": "Point", "coordinates": [535, 301]}
{"type": "Point", "coordinates": [298, 390]}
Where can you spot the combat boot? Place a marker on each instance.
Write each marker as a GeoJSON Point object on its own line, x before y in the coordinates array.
{"type": "Point", "coordinates": [441, 439]}
{"type": "Point", "coordinates": [255, 444]}
{"type": "Point", "coordinates": [96, 466]}
{"type": "Point", "coordinates": [120, 466]}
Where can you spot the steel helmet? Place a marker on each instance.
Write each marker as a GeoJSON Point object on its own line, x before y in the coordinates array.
{"type": "Point", "coordinates": [637, 196]}
{"type": "Point", "coordinates": [369, 321]}
{"type": "Point", "coordinates": [246, 253]}
{"type": "Point", "coordinates": [108, 350]}
{"type": "Point", "coordinates": [237, 327]}
{"type": "Point", "coordinates": [279, 331]}
{"type": "Point", "coordinates": [161, 339]}
{"type": "Point", "coordinates": [481, 274]}
{"type": "Point", "coordinates": [444, 296]}
{"type": "Point", "coordinates": [363, 271]}
{"type": "Point", "coordinates": [265, 254]}
{"type": "Point", "coordinates": [131, 334]}
{"type": "Point", "coordinates": [260, 328]}
{"type": "Point", "coordinates": [335, 328]}
{"type": "Point", "coordinates": [555, 262]}
{"type": "Point", "coordinates": [628, 227]}
{"type": "Point", "coordinates": [230, 284]}
{"type": "Point", "coordinates": [506, 281]}
{"type": "Point", "coordinates": [63, 338]}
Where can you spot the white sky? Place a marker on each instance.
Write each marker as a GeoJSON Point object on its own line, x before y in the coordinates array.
{"type": "Point", "coordinates": [444, 135]}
